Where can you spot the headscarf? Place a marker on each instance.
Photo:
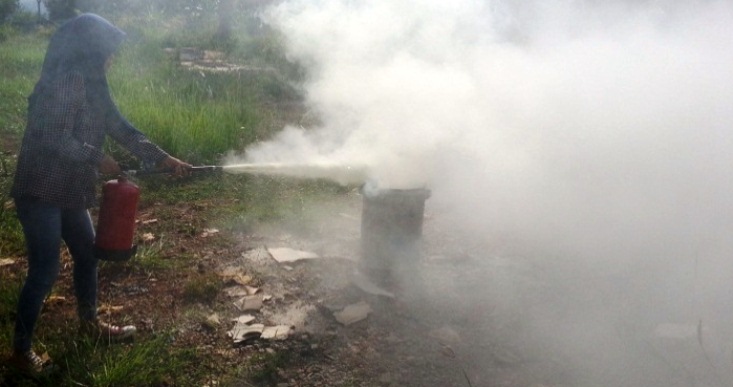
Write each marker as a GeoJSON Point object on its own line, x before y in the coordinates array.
{"type": "Point", "coordinates": [83, 44]}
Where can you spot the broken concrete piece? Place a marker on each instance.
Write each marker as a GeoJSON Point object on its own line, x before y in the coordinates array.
{"type": "Point", "coordinates": [236, 291]}
{"type": "Point", "coordinates": [251, 289]}
{"type": "Point", "coordinates": [278, 332]}
{"type": "Point", "coordinates": [284, 254]}
{"type": "Point", "coordinates": [353, 313]}
{"type": "Point", "coordinates": [249, 303]}
{"type": "Point", "coordinates": [244, 319]}
{"type": "Point", "coordinates": [242, 332]}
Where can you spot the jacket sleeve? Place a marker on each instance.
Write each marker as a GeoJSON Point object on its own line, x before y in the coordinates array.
{"type": "Point", "coordinates": [124, 133]}
{"type": "Point", "coordinates": [57, 117]}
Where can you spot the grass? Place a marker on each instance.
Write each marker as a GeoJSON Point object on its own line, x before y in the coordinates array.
{"type": "Point", "coordinates": [263, 368]}
{"type": "Point", "coordinates": [147, 363]}
{"type": "Point", "coordinates": [202, 288]}
{"type": "Point", "coordinates": [194, 115]}
{"type": "Point", "coordinates": [21, 58]}
{"type": "Point", "coordinates": [149, 258]}
{"type": "Point", "coordinates": [11, 234]}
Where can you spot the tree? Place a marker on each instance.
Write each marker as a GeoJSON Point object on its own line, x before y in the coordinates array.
{"type": "Point", "coordinates": [225, 11]}
{"type": "Point", "coordinates": [59, 10]}
{"type": "Point", "coordinates": [7, 8]}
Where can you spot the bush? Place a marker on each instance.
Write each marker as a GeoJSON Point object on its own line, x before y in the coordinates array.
{"type": "Point", "coordinates": [59, 10]}
{"type": "Point", "coordinates": [24, 21]}
{"type": "Point", "coordinates": [7, 9]}
{"type": "Point", "coordinates": [5, 32]}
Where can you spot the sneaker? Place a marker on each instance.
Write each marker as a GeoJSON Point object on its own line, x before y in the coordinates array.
{"type": "Point", "coordinates": [108, 331]}
{"type": "Point", "coordinates": [31, 363]}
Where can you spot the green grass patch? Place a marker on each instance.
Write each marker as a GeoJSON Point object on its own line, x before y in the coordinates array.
{"type": "Point", "coordinates": [9, 293]}
{"type": "Point", "coordinates": [202, 287]}
{"type": "Point", "coordinates": [263, 368]}
{"type": "Point", "coordinates": [85, 361]}
{"type": "Point", "coordinates": [21, 57]}
{"type": "Point", "coordinates": [152, 362]}
{"type": "Point", "coordinates": [150, 258]}
{"type": "Point", "coordinates": [12, 242]}
{"type": "Point", "coordinates": [195, 116]}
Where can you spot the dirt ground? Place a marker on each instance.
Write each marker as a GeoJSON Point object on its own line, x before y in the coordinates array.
{"type": "Point", "coordinates": [463, 313]}
{"type": "Point", "coordinates": [438, 327]}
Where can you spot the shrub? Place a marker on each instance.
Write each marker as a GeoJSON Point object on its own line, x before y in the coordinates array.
{"type": "Point", "coordinates": [8, 8]}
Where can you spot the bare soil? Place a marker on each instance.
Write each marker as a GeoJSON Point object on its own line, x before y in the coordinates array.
{"type": "Point", "coordinates": [440, 327]}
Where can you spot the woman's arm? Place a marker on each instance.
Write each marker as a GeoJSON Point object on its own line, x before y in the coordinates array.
{"type": "Point", "coordinates": [139, 145]}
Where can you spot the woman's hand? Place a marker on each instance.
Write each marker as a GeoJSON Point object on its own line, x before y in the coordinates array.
{"type": "Point", "coordinates": [108, 166]}
{"type": "Point", "coordinates": [178, 167]}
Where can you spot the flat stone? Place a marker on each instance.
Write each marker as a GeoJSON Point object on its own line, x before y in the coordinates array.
{"type": "Point", "coordinates": [242, 332]}
{"type": "Point", "coordinates": [278, 332]}
{"type": "Point", "coordinates": [353, 313]}
{"type": "Point", "coordinates": [247, 303]}
{"type": "Point", "coordinates": [285, 254]}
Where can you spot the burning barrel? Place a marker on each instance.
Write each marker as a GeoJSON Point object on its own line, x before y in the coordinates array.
{"type": "Point", "coordinates": [391, 227]}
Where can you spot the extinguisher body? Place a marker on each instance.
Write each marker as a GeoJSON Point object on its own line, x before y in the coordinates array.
{"type": "Point", "coordinates": [116, 223]}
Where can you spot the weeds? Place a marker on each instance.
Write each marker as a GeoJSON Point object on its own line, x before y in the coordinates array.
{"type": "Point", "coordinates": [154, 362]}
{"type": "Point", "coordinates": [202, 288]}
{"type": "Point", "coordinates": [150, 258]}
{"type": "Point", "coordinates": [263, 368]}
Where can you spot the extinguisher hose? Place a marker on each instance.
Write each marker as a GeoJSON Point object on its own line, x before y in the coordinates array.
{"type": "Point", "coordinates": [147, 172]}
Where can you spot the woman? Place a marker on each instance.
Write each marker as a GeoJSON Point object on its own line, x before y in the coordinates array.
{"type": "Point", "coordinates": [69, 114]}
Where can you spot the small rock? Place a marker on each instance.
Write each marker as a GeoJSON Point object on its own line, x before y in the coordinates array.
{"type": "Point", "coordinates": [279, 332]}
{"type": "Point", "coordinates": [248, 303]}
{"type": "Point", "coordinates": [353, 313]}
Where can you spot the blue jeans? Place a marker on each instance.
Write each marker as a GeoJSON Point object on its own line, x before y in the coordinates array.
{"type": "Point", "coordinates": [44, 226]}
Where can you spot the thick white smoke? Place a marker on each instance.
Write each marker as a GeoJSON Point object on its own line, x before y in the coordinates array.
{"type": "Point", "coordinates": [558, 117]}
{"type": "Point", "coordinates": [598, 130]}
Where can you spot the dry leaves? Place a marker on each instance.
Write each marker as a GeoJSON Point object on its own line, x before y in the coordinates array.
{"type": "Point", "coordinates": [209, 232]}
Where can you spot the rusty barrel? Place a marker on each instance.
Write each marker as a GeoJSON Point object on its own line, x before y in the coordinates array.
{"type": "Point", "coordinates": [391, 227]}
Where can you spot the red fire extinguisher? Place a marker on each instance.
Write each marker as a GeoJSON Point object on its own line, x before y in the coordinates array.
{"type": "Point", "coordinates": [116, 223]}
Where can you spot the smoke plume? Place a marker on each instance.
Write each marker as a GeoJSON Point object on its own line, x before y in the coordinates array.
{"type": "Point", "coordinates": [599, 131]}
